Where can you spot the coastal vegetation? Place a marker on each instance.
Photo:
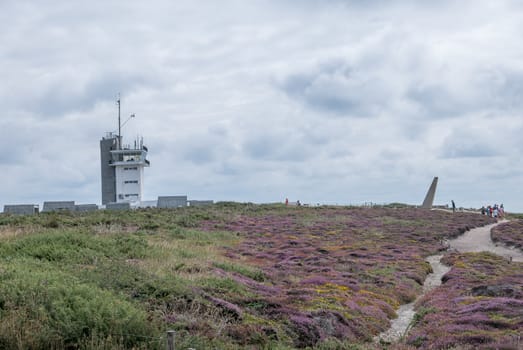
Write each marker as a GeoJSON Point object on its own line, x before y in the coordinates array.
{"type": "Point", "coordinates": [235, 276]}
{"type": "Point", "coordinates": [509, 233]}
{"type": "Point", "coordinates": [479, 304]}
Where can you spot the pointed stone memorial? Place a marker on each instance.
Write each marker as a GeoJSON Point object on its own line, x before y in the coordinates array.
{"type": "Point", "coordinates": [429, 198]}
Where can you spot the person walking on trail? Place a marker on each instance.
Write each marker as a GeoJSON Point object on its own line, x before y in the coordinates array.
{"type": "Point", "coordinates": [453, 206]}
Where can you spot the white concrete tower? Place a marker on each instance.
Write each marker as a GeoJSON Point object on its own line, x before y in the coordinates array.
{"type": "Point", "coordinates": [122, 167]}
{"type": "Point", "coordinates": [129, 163]}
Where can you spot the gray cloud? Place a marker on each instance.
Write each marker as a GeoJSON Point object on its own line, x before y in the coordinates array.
{"type": "Point", "coordinates": [471, 141]}
{"type": "Point", "coordinates": [468, 149]}
{"type": "Point", "coordinates": [334, 87]}
{"type": "Point", "coordinates": [481, 90]}
{"type": "Point", "coordinates": [271, 147]}
{"type": "Point", "coordinates": [437, 101]}
{"type": "Point", "coordinates": [507, 89]}
{"type": "Point", "coordinates": [333, 101]}
{"type": "Point", "coordinates": [200, 154]}
{"type": "Point", "coordinates": [58, 99]}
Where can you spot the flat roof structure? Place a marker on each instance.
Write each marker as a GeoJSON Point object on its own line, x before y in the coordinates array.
{"type": "Point", "coordinates": [21, 209]}
{"type": "Point", "coordinates": [172, 201]}
{"type": "Point", "coordinates": [58, 206]}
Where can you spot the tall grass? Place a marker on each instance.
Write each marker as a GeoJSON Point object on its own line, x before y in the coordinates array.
{"type": "Point", "coordinates": [103, 279]}
{"type": "Point", "coordinates": [42, 307]}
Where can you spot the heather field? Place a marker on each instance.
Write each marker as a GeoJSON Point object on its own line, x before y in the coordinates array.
{"type": "Point", "coordinates": [235, 276]}
{"type": "Point", "coordinates": [480, 304]}
{"type": "Point", "coordinates": [509, 233]}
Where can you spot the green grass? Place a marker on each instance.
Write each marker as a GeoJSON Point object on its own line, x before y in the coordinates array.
{"type": "Point", "coordinates": [245, 270]}
{"type": "Point", "coordinates": [64, 309]}
{"type": "Point", "coordinates": [107, 279]}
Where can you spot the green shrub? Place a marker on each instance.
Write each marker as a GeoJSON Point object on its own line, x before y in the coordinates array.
{"type": "Point", "coordinates": [61, 310]}
{"type": "Point", "coordinates": [187, 221]}
{"type": "Point", "coordinates": [134, 282]}
{"type": "Point", "coordinates": [420, 314]}
{"type": "Point", "coordinates": [223, 286]}
{"type": "Point", "coordinates": [246, 270]}
{"type": "Point", "coordinates": [75, 247]}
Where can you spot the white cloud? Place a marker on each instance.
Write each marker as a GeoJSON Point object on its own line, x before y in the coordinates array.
{"type": "Point", "coordinates": [326, 101]}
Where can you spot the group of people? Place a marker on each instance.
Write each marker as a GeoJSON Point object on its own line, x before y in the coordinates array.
{"type": "Point", "coordinates": [494, 211]}
{"type": "Point", "coordinates": [298, 203]}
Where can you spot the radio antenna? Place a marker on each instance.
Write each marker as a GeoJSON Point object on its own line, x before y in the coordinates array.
{"type": "Point", "coordinates": [118, 102]}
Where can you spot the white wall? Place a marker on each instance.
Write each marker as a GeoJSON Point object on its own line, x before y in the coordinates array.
{"type": "Point", "coordinates": [129, 182]}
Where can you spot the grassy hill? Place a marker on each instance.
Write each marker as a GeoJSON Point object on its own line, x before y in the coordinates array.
{"type": "Point", "coordinates": [230, 276]}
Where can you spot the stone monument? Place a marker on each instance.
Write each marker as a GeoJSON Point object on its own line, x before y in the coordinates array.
{"type": "Point", "coordinates": [429, 198]}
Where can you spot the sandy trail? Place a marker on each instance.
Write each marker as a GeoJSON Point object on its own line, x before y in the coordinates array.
{"type": "Point", "coordinates": [478, 240]}
{"type": "Point", "coordinates": [399, 325]}
{"type": "Point", "coordinates": [475, 240]}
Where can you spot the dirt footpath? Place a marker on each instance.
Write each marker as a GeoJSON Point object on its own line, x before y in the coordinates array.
{"type": "Point", "coordinates": [400, 325]}
{"type": "Point", "coordinates": [478, 240]}
{"type": "Point", "coordinates": [475, 240]}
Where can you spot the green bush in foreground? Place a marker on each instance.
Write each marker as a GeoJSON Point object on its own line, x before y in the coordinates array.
{"type": "Point", "coordinates": [43, 308]}
{"type": "Point", "coordinates": [74, 247]}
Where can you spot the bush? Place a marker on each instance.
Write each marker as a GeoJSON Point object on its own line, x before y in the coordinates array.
{"type": "Point", "coordinates": [77, 248]}
{"type": "Point", "coordinates": [54, 309]}
{"type": "Point", "coordinates": [245, 270]}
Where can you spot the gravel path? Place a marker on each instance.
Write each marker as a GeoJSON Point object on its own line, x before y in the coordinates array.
{"type": "Point", "coordinates": [475, 240]}
{"type": "Point", "coordinates": [399, 325]}
{"type": "Point", "coordinates": [478, 240]}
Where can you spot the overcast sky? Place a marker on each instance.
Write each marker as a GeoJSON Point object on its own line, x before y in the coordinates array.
{"type": "Point", "coordinates": [325, 101]}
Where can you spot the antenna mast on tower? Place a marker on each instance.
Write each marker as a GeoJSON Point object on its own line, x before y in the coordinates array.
{"type": "Point", "coordinates": [119, 124]}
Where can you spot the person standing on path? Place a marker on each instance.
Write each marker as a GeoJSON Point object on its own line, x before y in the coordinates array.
{"type": "Point", "coordinates": [453, 206]}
